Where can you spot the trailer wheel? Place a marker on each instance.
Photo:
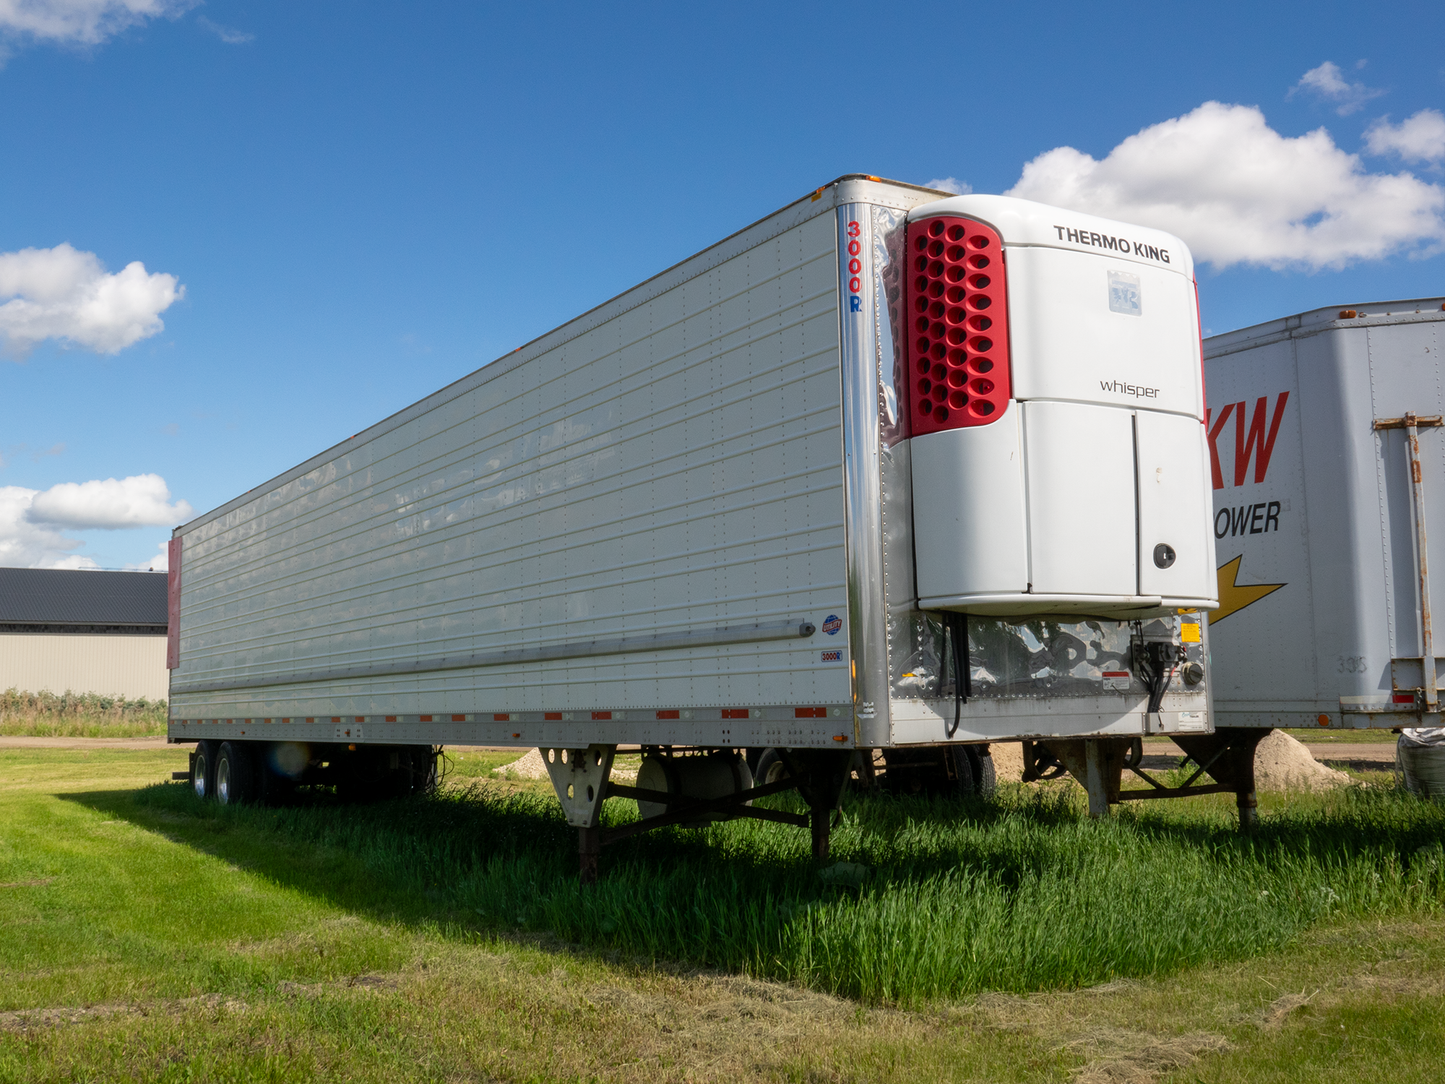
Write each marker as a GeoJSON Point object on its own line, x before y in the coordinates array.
{"type": "Point", "coordinates": [770, 768]}
{"type": "Point", "coordinates": [203, 769]}
{"type": "Point", "coordinates": [985, 778]}
{"type": "Point", "coordinates": [235, 774]}
{"type": "Point", "coordinates": [974, 771]}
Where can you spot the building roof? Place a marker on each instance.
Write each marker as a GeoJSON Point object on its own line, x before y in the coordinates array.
{"type": "Point", "coordinates": [58, 596]}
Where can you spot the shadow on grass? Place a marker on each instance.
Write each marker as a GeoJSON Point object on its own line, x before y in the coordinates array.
{"type": "Point", "coordinates": [922, 899]}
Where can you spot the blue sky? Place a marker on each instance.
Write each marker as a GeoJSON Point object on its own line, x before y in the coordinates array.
{"type": "Point", "coordinates": [363, 202]}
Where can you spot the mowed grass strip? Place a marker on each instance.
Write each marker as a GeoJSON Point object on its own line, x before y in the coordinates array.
{"type": "Point", "coordinates": [187, 942]}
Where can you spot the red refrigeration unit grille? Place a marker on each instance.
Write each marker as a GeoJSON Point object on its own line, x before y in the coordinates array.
{"type": "Point", "coordinates": [952, 324]}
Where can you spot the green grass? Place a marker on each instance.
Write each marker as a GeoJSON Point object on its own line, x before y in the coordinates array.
{"type": "Point", "coordinates": [447, 939]}
{"type": "Point", "coordinates": [79, 715]}
{"type": "Point", "coordinates": [1343, 736]}
{"type": "Point", "coordinates": [465, 765]}
{"type": "Point", "coordinates": [1019, 894]}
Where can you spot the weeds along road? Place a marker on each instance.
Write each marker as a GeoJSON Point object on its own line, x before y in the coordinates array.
{"type": "Point", "coordinates": [155, 938]}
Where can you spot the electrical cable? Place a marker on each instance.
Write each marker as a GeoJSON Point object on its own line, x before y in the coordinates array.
{"type": "Point", "coordinates": [1157, 698]}
{"type": "Point", "coordinates": [1152, 659]}
{"type": "Point", "coordinates": [957, 626]}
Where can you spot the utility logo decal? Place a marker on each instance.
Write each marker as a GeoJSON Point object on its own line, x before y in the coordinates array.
{"type": "Point", "coordinates": [1256, 443]}
{"type": "Point", "coordinates": [1247, 519]}
{"type": "Point", "coordinates": [1233, 596]}
{"type": "Point", "coordinates": [832, 624]}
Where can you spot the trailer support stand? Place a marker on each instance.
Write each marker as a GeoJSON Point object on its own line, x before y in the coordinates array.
{"type": "Point", "coordinates": [1094, 779]}
{"type": "Point", "coordinates": [826, 772]}
{"type": "Point", "coordinates": [825, 790]}
{"type": "Point", "coordinates": [1228, 756]}
{"type": "Point", "coordinates": [1244, 795]}
{"type": "Point", "coordinates": [579, 776]}
{"type": "Point", "coordinates": [821, 831]}
{"type": "Point", "coordinates": [1096, 763]}
{"type": "Point", "coordinates": [589, 849]}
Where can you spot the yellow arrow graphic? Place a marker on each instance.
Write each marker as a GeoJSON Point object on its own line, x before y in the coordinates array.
{"type": "Point", "coordinates": [1234, 597]}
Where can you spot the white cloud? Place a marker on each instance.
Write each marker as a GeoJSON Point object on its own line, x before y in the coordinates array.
{"type": "Point", "coordinates": [1417, 138]}
{"type": "Point", "coordinates": [161, 562]}
{"type": "Point", "coordinates": [141, 500]}
{"type": "Point", "coordinates": [29, 545]}
{"type": "Point", "coordinates": [1239, 192]}
{"type": "Point", "coordinates": [950, 184]}
{"type": "Point", "coordinates": [33, 523]}
{"type": "Point", "coordinates": [1326, 82]}
{"type": "Point", "coordinates": [229, 35]}
{"type": "Point", "coordinates": [73, 561]}
{"type": "Point", "coordinates": [63, 293]}
{"type": "Point", "coordinates": [81, 22]}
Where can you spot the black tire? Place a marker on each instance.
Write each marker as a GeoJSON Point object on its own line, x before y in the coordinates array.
{"type": "Point", "coordinates": [965, 780]}
{"type": "Point", "coordinates": [236, 774]}
{"type": "Point", "coordinates": [973, 766]}
{"type": "Point", "coordinates": [985, 778]}
{"type": "Point", "coordinates": [770, 768]}
{"type": "Point", "coordinates": [203, 769]}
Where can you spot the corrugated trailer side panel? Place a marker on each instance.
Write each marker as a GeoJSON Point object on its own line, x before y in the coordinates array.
{"type": "Point", "coordinates": [668, 475]}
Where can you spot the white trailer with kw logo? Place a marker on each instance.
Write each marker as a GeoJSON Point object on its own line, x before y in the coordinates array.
{"type": "Point", "coordinates": [1328, 468]}
{"type": "Point", "coordinates": [754, 502]}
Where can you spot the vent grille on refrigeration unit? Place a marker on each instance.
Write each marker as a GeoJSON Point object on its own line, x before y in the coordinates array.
{"type": "Point", "coordinates": [954, 325]}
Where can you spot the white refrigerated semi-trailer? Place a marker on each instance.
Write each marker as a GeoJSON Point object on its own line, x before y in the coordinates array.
{"type": "Point", "coordinates": [751, 502]}
{"type": "Point", "coordinates": [1328, 468]}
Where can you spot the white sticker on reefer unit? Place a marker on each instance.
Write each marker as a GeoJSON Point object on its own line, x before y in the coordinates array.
{"type": "Point", "coordinates": [1192, 720]}
{"type": "Point", "coordinates": [1116, 681]}
{"type": "Point", "coordinates": [1124, 294]}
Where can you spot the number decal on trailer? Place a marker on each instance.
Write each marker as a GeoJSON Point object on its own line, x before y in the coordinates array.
{"type": "Point", "coordinates": [1351, 664]}
{"type": "Point", "coordinates": [855, 267]}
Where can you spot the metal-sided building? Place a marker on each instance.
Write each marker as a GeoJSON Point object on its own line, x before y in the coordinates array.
{"type": "Point", "coordinates": [64, 630]}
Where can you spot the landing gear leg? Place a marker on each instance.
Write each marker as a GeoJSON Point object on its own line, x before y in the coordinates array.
{"type": "Point", "coordinates": [589, 850]}
{"type": "Point", "coordinates": [1095, 776]}
{"type": "Point", "coordinates": [1098, 765]}
{"type": "Point", "coordinates": [579, 776]}
{"type": "Point", "coordinates": [826, 771]}
{"type": "Point", "coordinates": [1228, 754]}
